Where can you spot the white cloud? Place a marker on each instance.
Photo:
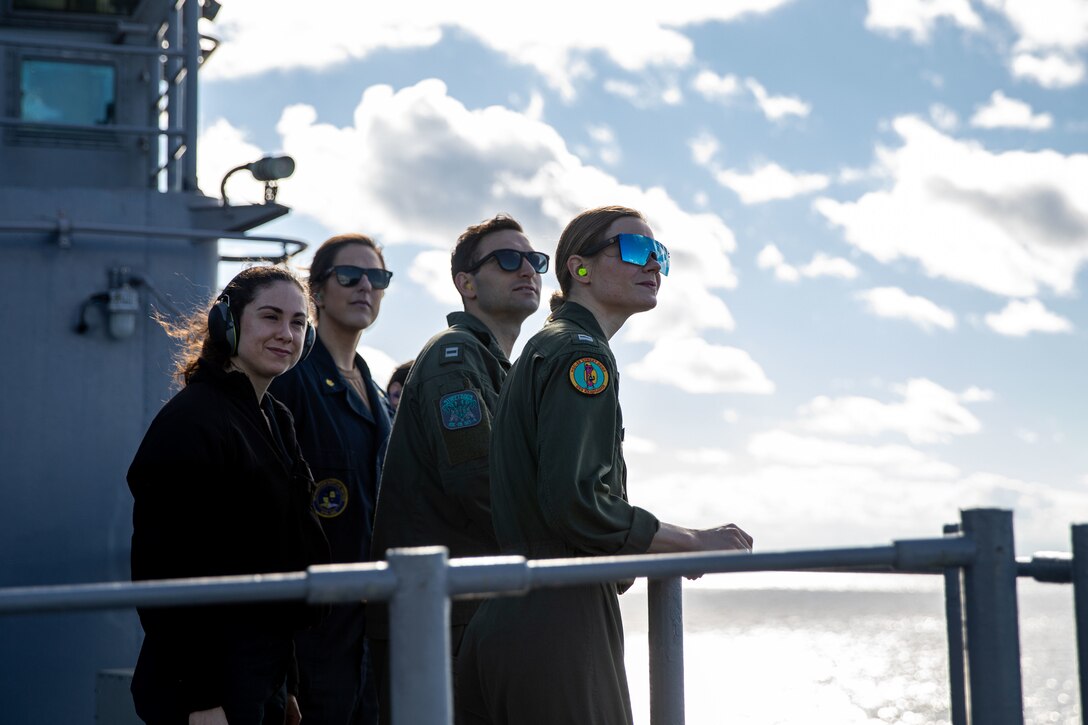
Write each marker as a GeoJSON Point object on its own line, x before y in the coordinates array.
{"type": "Point", "coordinates": [263, 35]}
{"type": "Point", "coordinates": [608, 148]}
{"type": "Point", "coordinates": [977, 395]}
{"type": "Point", "coordinates": [704, 148]}
{"type": "Point", "coordinates": [1023, 317]}
{"type": "Point", "coordinates": [944, 117]}
{"type": "Point", "coordinates": [770, 182]}
{"type": "Point", "coordinates": [1053, 70]}
{"type": "Point", "coordinates": [776, 108]}
{"type": "Point", "coordinates": [928, 413]}
{"type": "Point", "coordinates": [770, 257]}
{"type": "Point", "coordinates": [1027, 436]}
{"type": "Point", "coordinates": [696, 366]}
{"type": "Point", "coordinates": [431, 271]}
{"type": "Point", "coordinates": [1056, 24]}
{"type": "Point", "coordinates": [730, 416]}
{"type": "Point", "coordinates": [917, 18]}
{"type": "Point", "coordinates": [649, 93]}
{"type": "Point", "coordinates": [783, 447]}
{"type": "Point", "coordinates": [822, 265]}
{"type": "Point", "coordinates": [712, 457]}
{"type": "Point", "coordinates": [802, 492]}
{"type": "Point", "coordinates": [222, 148]}
{"type": "Point", "coordinates": [714, 87]}
{"type": "Point", "coordinates": [894, 303]}
{"type": "Point", "coordinates": [1050, 38]}
{"type": "Point", "coordinates": [1005, 112]}
{"type": "Point", "coordinates": [1008, 222]}
{"type": "Point", "coordinates": [415, 166]}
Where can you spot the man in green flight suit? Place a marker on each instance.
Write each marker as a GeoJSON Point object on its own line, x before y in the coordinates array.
{"type": "Point", "coordinates": [435, 487]}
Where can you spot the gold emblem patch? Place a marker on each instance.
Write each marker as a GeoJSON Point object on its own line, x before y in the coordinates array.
{"type": "Point", "coordinates": [589, 375]}
{"type": "Point", "coordinates": [330, 498]}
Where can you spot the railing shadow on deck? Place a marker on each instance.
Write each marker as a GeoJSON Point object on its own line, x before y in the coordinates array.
{"type": "Point", "coordinates": [975, 557]}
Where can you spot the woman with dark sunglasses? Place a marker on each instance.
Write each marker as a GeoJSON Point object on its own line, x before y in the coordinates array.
{"type": "Point", "coordinates": [343, 421]}
{"type": "Point", "coordinates": [559, 489]}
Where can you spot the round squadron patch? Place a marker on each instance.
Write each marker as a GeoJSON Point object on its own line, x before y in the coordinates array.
{"type": "Point", "coordinates": [330, 498]}
{"type": "Point", "coordinates": [588, 375]}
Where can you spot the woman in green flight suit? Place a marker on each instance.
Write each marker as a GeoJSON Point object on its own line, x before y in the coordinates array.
{"type": "Point", "coordinates": [558, 489]}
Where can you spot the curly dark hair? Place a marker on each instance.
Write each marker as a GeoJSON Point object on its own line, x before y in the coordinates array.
{"type": "Point", "coordinates": [192, 333]}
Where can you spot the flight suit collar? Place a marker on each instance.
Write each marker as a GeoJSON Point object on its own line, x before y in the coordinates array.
{"type": "Point", "coordinates": [580, 316]}
{"type": "Point", "coordinates": [473, 324]}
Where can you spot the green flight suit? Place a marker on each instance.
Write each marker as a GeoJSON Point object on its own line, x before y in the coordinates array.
{"type": "Point", "coordinates": [434, 487]}
{"type": "Point", "coordinates": [558, 489]}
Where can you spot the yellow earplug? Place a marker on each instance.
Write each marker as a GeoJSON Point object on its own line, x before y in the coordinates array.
{"type": "Point", "coordinates": [582, 271]}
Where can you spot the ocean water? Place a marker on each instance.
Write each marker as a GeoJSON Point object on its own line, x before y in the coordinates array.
{"type": "Point", "coordinates": [770, 649]}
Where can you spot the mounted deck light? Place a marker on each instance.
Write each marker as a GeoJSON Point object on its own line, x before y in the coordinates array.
{"type": "Point", "coordinates": [269, 169]}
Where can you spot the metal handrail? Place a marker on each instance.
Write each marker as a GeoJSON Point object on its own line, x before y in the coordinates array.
{"type": "Point", "coordinates": [419, 583]}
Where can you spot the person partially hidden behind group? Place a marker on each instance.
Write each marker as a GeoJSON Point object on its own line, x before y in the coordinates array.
{"type": "Point", "coordinates": [220, 487]}
{"type": "Point", "coordinates": [395, 386]}
{"type": "Point", "coordinates": [558, 489]}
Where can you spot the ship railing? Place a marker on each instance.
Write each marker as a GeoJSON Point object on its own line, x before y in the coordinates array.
{"type": "Point", "coordinates": [975, 557]}
{"type": "Point", "coordinates": [64, 230]}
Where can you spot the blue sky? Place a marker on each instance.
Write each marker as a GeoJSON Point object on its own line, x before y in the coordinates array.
{"type": "Point", "coordinates": [878, 214]}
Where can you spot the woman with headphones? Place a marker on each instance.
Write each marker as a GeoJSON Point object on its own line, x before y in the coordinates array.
{"type": "Point", "coordinates": [559, 489]}
{"type": "Point", "coordinates": [221, 488]}
{"type": "Point", "coordinates": [343, 420]}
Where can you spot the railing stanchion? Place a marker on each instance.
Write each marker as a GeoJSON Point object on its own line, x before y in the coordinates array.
{"type": "Point", "coordinates": [419, 642]}
{"type": "Point", "coordinates": [993, 635]}
{"type": "Point", "coordinates": [953, 614]}
{"type": "Point", "coordinates": [666, 638]}
{"type": "Point", "coordinates": [1080, 600]}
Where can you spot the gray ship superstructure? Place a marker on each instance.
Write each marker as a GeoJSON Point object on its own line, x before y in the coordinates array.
{"type": "Point", "coordinates": [102, 225]}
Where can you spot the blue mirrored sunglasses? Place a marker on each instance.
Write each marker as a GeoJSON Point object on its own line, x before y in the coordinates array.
{"type": "Point", "coordinates": [348, 275]}
{"type": "Point", "coordinates": [636, 249]}
{"type": "Point", "coordinates": [510, 260]}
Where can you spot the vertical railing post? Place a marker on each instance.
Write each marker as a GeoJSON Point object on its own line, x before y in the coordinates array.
{"type": "Point", "coordinates": [953, 615]}
{"type": "Point", "coordinates": [191, 44]}
{"type": "Point", "coordinates": [419, 638]}
{"type": "Point", "coordinates": [1080, 603]}
{"type": "Point", "coordinates": [666, 637]}
{"type": "Point", "coordinates": [993, 632]}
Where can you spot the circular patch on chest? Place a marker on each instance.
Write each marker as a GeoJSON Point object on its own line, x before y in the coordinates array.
{"type": "Point", "coordinates": [330, 498]}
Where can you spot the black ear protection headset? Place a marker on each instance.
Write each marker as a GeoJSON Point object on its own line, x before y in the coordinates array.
{"type": "Point", "coordinates": [223, 328]}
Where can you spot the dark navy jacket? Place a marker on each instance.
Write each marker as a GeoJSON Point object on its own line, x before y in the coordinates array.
{"type": "Point", "coordinates": [343, 442]}
{"type": "Point", "coordinates": [220, 488]}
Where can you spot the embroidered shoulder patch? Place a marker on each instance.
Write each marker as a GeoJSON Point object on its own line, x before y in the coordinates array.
{"type": "Point", "coordinates": [460, 410]}
{"type": "Point", "coordinates": [588, 375]}
{"type": "Point", "coordinates": [330, 498]}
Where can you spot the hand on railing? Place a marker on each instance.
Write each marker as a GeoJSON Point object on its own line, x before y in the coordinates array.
{"type": "Point", "coordinates": [729, 537]}
{"type": "Point", "coordinates": [293, 716]}
{"type": "Point", "coordinates": [216, 716]}
{"type": "Point", "coordinates": [672, 539]}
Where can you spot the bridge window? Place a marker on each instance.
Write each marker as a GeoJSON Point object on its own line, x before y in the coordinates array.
{"type": "Point", "coordinates": [53, 91]}
{"type": "Point", "coordinates": [91, 7]}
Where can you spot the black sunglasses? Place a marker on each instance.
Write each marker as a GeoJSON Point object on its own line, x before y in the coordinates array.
{"type": "Point", "coordinates": [348, 275]}
{"type": "Point", "coordinates": [510, 260]}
